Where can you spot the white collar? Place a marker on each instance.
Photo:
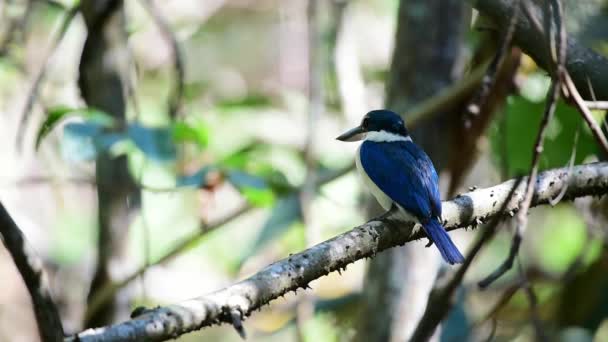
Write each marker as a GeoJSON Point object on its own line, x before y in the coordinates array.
{"type": "Point", "coordinates": [384, 136]}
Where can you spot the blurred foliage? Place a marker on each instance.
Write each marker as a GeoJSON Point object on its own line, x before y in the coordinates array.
{"type": "Point", "coordinates": [516, 134]}
{"type": "Point", "coordinates": [283, 215]}
{"type": "Point", "coordinates": [239, 138]}
{"type": "Point", "coordinates": [55, 115]}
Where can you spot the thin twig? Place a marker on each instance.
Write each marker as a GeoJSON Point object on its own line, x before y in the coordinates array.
{"type": "Point", "coordinates": [447, 98]}
{"type": "Point", "coordinates": [553, 202]}
{"type": "Point", "coordinates": [522, 214]}
{"type": "Point", "coordinates": [596, 105]}
{"type": "Point", "coordinates": [40, 74]}
{"type": "Point", "coordinates": [502, 302]}
{"type": "Point", "coordinates": [532, 17]}
{"type": "Point", "coordinates": [364, 241]}
{"type": "Point", "coordinates": [175, 100]}
{"type": "Point", "coordinates": [441, 300]}
{"type": "Point", "coordinates": [31, 269]}
{"type": "Point", "coordinates": [145, 228]}
{"type": "Point", "coordinates": [582, 107]}
{"type": "Point", "coordinates": [539, 329]}
{"type": "Point", "coordinates": [490, 77]}
{"type": "Point", "coordinates": [551, 104]}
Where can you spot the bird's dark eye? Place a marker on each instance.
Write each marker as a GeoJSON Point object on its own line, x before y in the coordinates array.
{"type": "Point", "coordinates": [365, 123]}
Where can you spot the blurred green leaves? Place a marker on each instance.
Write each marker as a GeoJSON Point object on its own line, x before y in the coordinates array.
{"type": "Point", "coordinates": [84, 141]}
{"type": "Point", "coordinates": [562, 240]}
{"type": "Point", "coordinates": [513, 139]}
{"type": "Point", "coordinates": [248, 102]}
{"type": "Point", "coordinates": [253, 188]}
{"type": "Point", "coordinates": [155, 142]}
{"type": "Point", "coordinates": [197, 133]}
{"type": "Point", "coordinates": [98, 133]}
{"type": "Point", "coordinates": [57, 114]}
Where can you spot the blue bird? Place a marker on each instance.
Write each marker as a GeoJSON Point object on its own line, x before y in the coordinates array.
{"type": "Point", "coordinates": [398, 172]}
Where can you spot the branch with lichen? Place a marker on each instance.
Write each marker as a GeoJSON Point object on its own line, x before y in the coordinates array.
{"type": "Point", "coordinates": [233, 303]}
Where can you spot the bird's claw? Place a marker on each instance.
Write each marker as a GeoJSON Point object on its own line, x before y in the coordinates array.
{"type": "Point", "coordinates": [429, 244]}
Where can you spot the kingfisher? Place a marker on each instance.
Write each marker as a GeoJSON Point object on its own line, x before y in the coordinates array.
{"type": "Point", "coordinates": [401, 176]}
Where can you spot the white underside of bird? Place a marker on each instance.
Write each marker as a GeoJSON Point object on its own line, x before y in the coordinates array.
{"type": "Point", "coordinates": [384, 201]}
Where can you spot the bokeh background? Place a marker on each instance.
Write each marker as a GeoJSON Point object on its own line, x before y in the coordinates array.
{"type": "Point", "coordinates": [249, 170]}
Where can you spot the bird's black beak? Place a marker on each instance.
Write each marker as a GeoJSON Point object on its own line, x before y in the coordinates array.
{"type": "Point", "coordinates": [354, 134]}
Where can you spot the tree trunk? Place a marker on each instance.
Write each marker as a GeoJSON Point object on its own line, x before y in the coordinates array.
{"type": "Point", "coordinates": [427, 47]}
{"type": "Point", "coordinates": [101, 66]}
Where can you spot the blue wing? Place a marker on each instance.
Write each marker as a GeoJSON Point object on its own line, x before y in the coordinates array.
{"type": "Point", "coordinates": [405, 174]}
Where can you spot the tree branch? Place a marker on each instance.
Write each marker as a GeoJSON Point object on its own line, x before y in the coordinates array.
{"type": "Point", "coordinates": [581, 62]}
{"type": "Point", "coordinates": [30, 268]}
{"type": "Point", "coordinates": [177, 93]}
{"type": "Point", "coordinates": [298, 270]}
{"type": "Point", "coordinates": [41, 73]}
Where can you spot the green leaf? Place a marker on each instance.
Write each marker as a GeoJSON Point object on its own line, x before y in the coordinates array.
{"type": "Point", "coordinates": [195, 133]}
{"type": "Point", "coordinates": [155, 142]}
{"type": "Point", "coordinates": [563, 234]}
{"type": "Point", "coordinates": [57, 114]}
{"type": "Point", "coordinates": [513, 140]}
{"type": "Point", "coordinates": [251, 101]}
{"type": "Point", "coordinates": [255, 189]}
{"type": "Point", "coordinates": [240, 158]}
{"type": "Point", "coordinates": [83, 141]}
{"type": "Point", "coordinates": [253, 159]}
{"type": "Point", "coordinates": [259, 197]}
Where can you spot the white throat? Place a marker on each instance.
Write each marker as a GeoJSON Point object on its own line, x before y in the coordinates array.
{"type": "Point", "coordinates": [384, 136]}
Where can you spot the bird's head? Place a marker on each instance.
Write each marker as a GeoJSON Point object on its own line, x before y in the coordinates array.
{"type": "Point", "coordinates": [378, 125]}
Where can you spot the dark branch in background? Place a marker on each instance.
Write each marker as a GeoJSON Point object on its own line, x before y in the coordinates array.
{"type": "Point", "coordinates": [447, 98]}
{"type": "Point", "coordinates": [581, 62]}
{"type": "Point", "coordinates": [522, 217]}
{"type": "Point", "coordinates": [101, 85]}
{"type": "Point", "coordinates": [31, 270]}
{"type": "Point", "coordinates": [39, 76]}
{"type": "Point", "coordinates": [441, 299]}
{"type": "Point", "coordinates": [489, 78]}
{"type": "Point", "coordinates": [551, 103]}
{"type": "Point", "coordinates": [556, 33]}
{"type": "Point", "coordinates": [175, 100]}
{"type": "Point", "coordinates": [563, 72]}
{"type": "Point", "coordinates": [475, 114]}
{"type": "Point", "coordinates": [298, 270]}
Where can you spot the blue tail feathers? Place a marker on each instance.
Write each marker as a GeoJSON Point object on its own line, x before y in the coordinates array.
{"type": "Point", "coordinates": [442, 240]}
